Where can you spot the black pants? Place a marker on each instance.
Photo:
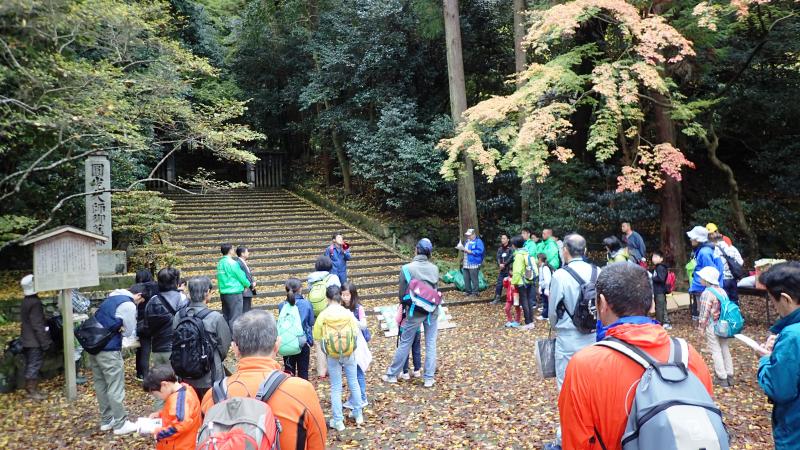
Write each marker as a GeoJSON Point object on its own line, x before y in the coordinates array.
{"type": "Point", "coordinates": [498, 289]}
{"type": "Point", "coordinates": [693, 299]}
{"type": "Point", "coordinates": [34, 358]}
{"type": "Point", "coordinates": [545, 305]}
{"type": "Point", "coordinates": [525, 302]}
{"type": "Point", "coordinates": [247, 304]}
{"type": "Point", "coordinates": [298, 364]}
{"type": "Point", "coordinates": [143, 357]}
{"type": "Point", "coordinates": [732, 289]}
{"type": "Point", "coordinates": [231, 307]}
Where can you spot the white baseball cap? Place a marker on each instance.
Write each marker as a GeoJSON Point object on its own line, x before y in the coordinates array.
{"type": "Point", "coordinates": [27, 285]}
{"type": "Point", "coordinates": [710, 274]}
{"type": "Point", "coordinates": [698, 233]}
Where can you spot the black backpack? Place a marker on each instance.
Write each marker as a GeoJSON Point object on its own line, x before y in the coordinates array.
{"type": "Point", "coordinates": [93, 336]}
{"type": "Point", "coordinates": [737, 271]}
{"type": "Point", "coordinates": [582, 317]}
{"type": "Point", "coordinates": [192, 350]}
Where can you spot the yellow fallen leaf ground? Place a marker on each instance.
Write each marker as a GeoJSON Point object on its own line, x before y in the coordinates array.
{"type": "Point", "coordinates": [487, 395]}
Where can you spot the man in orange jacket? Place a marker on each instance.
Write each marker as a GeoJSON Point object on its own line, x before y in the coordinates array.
{"type": "Point", "coordinates": [295, 403]}
{"type": "Point", "coordinates": [600, 383]}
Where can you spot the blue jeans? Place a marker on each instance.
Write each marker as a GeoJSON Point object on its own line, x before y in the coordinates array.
{"type": "Point", "coordinates": [407, 339]}
{"type": "Point", "coordinates": [362, 384]}
{"type": "Point", "coordinates": [532, 288]}
{"type": "Point", "coordinates": [335, 368]}
{"type": "Point", "coordinates": [416, 353]}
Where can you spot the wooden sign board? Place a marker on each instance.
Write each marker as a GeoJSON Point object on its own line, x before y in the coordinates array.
{"type": "Point", "coordinates": [387, 315]}
{"type": "Point", "coordinates": [65, 258]}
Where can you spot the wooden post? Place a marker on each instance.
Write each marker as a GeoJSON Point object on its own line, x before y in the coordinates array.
{"type": "Point", "coordinates": [70, 388]}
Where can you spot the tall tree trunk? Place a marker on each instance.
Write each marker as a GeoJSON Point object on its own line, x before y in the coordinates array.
{"type": "Point", "coordinates": [327, 166]}
{"type": "Point", "coordinates": [467, 206]}
{"type": "Point", "coordinates": [672, 241]}
{"type": "Point", "coordinates": [519, 65]}
{"type": "Point", "coordinates": [344, 163]}
{"type": "Point", "coordinates": [738, 213]}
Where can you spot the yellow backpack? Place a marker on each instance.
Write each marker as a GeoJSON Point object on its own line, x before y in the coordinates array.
{"type": "Point", "coordinates": [339, 334]}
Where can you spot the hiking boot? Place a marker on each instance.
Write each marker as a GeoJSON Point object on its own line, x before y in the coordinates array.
{"type": "Point", "coordinates": [388, 379]}
{"type": "Point", "coordinates": [428, 383]}
{"type": "Point", "coordinates": [731, 383]}
{"type": "Point", "coordinates": [495, 301]}
{"type": "Point", "coordinates": [127, 428]}
{"type": "Point", "coordinates": [721, 382]}
{"type": "Point", "coordinates": [33, 391]}
{"type": "Point", "coordinates": [338, 426]}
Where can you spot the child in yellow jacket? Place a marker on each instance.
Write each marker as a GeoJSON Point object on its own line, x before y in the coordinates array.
{"type": "Point", "coordinates": [518, 279]}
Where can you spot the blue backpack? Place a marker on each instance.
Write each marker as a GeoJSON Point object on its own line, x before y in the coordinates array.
{"type": "Point", "coordinates": [730, 320]}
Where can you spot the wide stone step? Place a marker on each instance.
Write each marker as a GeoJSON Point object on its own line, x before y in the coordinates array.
{"type": "Point", "coordinates": [238, 206]}
{"type": "Point", "coordinates": [295, 235]}
{"type": "Point", "coordinates": [253, 227]}
{"type": "Point", "coordinates": [268, 259]}
{"type": "Point", "coordinates": [250, 221]}
{"type": "Point", "coordinates": [263, 216]}
{"type": "Point", "coordinates": [212, 247]}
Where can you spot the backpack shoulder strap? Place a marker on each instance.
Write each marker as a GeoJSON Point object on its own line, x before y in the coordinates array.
{"type": "Point", "coordinates": [166, 303]}
{"type": "Point", "coordinates": [219, 390]}
{"type": "Point", "coordinates": [407, 274]}
{"type": "Point", "coordinates": [632, 352]}
{"type": "Point", "coordinates": [594, 274]}
{"type": "Point", "coordinates": [202, 314]}
{"type": "Point", "coordinates": [679, 351]}
{"type": "Point", "coordinates": [719, 295]}
{"type": "Point", "coordinates": [577, 277]}
{"type": "Point", "coordinates": [270, 385]}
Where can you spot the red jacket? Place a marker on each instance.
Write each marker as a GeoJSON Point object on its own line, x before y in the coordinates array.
{"type": "Point", "coordinates": [600, 383]}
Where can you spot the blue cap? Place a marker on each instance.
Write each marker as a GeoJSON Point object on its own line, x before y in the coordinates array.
{"type": "Point", "coordinates": [425, 244]}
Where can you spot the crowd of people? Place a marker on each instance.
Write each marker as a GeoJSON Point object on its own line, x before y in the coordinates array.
{"type": "Point", "coordinates": [600, 318]}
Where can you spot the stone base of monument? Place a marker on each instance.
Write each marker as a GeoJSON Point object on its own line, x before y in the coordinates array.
{"type": "Point", "coordinates": [387, 315]}
{"type": "Point", "coordinates": [112, 262]}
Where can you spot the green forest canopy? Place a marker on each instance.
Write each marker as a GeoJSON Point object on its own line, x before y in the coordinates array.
{"type": "Point", "coordinates": [356, 93]}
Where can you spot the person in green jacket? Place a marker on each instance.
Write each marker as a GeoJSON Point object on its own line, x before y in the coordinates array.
{"type": "Point", "coordinates": [519, 280]}
{"type": "Point", "coordinates": [232, 282]}
{"type": "Point", "coordinates": [549, 247]}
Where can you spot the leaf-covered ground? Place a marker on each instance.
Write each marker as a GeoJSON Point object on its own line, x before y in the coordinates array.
{"type": "Point", "coordinates": [487, 395]}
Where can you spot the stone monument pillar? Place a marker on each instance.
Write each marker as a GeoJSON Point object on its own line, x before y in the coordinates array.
{"type": "Point", "coordinates": [98, 213]}
{"type": "Point", "coordinates": [98, 206]}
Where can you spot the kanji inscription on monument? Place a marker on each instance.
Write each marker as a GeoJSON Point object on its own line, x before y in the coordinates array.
{"type": "Point", "coordinates": [98, 206]}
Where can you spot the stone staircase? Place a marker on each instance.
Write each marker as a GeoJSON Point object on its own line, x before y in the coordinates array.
{"type": "Point", "coordinates": [285, 235]}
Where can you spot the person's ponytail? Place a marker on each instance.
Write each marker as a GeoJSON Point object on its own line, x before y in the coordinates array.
{"type": "Point", "coordinates": [292, 289]}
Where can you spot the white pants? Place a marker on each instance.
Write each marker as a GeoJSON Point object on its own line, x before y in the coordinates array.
{"type": "Point", "coordinates": [720, 353]}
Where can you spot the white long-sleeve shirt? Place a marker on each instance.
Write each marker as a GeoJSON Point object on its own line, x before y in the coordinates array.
{"type": "Point", "coordinates": [545, 275]}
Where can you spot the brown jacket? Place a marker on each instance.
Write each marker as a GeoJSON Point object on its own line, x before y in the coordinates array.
{"type": "Point", "coordinates": [33, 323]}
{"type": "Point", "coordinates": [295, 403]}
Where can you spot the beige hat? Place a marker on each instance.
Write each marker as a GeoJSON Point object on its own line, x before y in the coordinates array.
{"type": "Point", "coordinates": [710, 274]}
{"type": "Point", "coordinates": [27, 285]}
